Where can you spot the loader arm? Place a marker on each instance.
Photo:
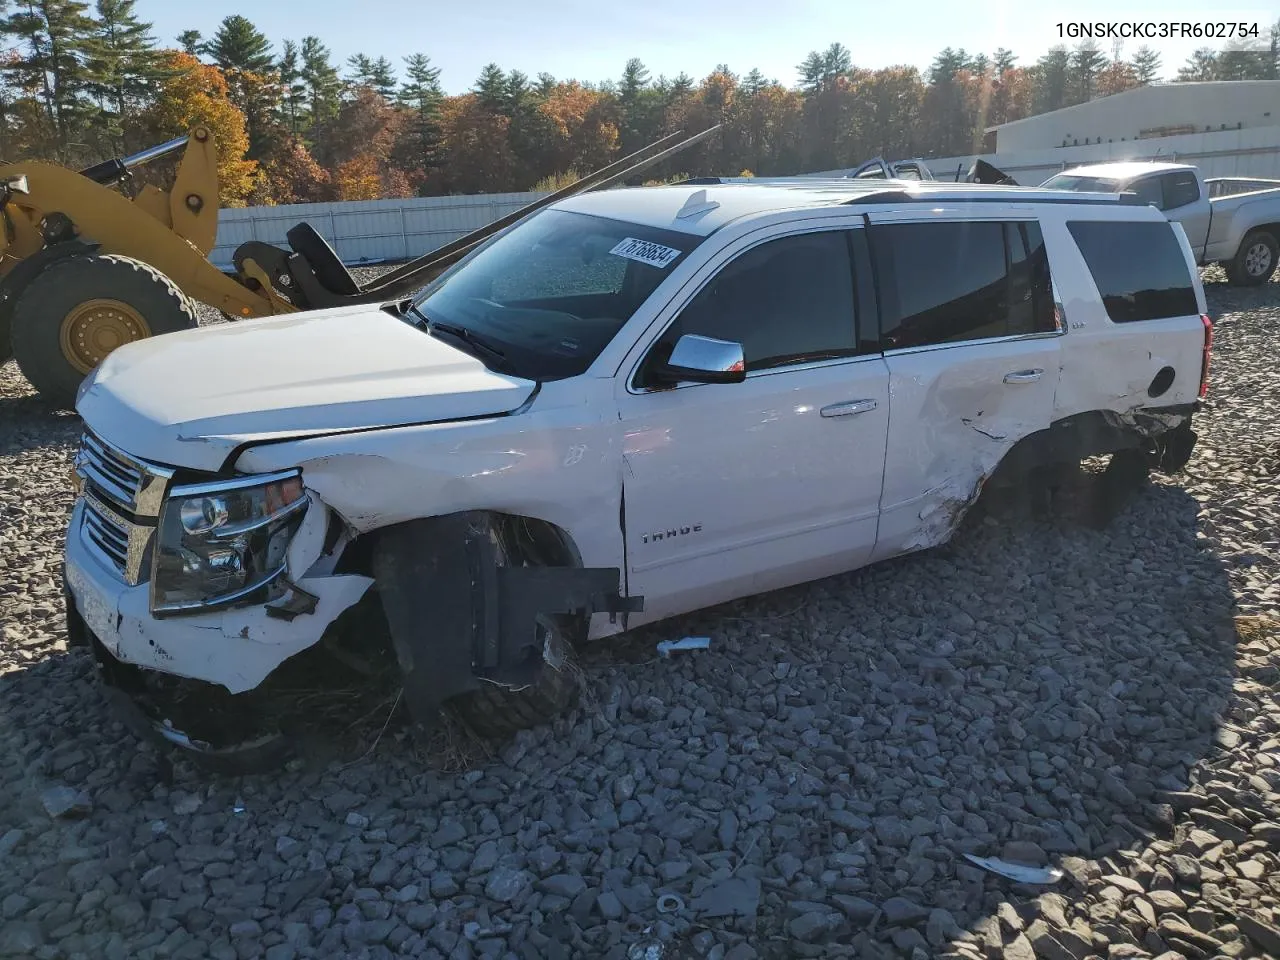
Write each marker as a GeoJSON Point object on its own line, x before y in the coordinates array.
{"type": "Point", "coordinates": [190, 207]}
{"type": "Point", "coordinates": [132, 229]}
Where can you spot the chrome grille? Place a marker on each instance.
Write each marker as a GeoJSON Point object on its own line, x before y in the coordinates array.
{"type": "Point", "coordinates": [122, 499]}
{"type": "Point", "coordinates": [107, 532]}
{"type": "Point", "coordinates": [115, 476]}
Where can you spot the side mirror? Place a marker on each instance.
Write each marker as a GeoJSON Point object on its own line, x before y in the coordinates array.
{"type": "Point", "coordinates": [698, 359]}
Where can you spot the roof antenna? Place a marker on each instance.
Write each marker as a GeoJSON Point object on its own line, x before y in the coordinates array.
{"type": "Point", "coordinates": [697, 203]}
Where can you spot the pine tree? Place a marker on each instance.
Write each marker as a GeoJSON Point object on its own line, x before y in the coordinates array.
{"type": "Point", "coordinates": [294, 101]}
{"type": "Point", "coordinates": [1086, 61]}
{"type": "Point", "coordinates": [1201, 65]}
{"type": "Point", "coordinates": [239, 45]}
{"type": "Point", "coordinates": [546, 83]}
{"type": "Point", "coordinates": [384, 78]}
{"type": "Point", "coordinates": [191, 41]}
{"type": "Point", "coordinates": [322, 84]}
{"type": "Point", "coordinates": [1004, 61]}
{"type": "Point", "coordinates": [1052, 80]}
{"type": "Point", "coordinates": [753, 82]}
{"type": "Point", "coordinates": [492, 88]}
{"type": "Point", "coordinates": [1146, 64]}
{"type": "Point", "coordinates": [124, 66]}
{"type": "Point", "coordinates": [54, 39]}
{"type": "Point", "coordinates": [360, 70]}
{"type": "Point", "coordinates": [422, 95]}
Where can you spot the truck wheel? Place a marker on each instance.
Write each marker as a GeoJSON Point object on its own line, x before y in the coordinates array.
{"type": "Point", "coordinates": [1255, 261]}
{"type": "Point", "coordinates": [76, 312]}
{"type": "Point", "coordinates": [428, 581]}
{"type": "Point", "coordinates": [497, 712]}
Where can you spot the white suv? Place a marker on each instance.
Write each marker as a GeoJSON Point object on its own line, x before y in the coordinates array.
{"type": "Point", "coordinates": [634, 404]}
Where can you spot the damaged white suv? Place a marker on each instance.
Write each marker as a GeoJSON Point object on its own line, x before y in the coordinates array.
{"type": "Point", "coordinates": [633, 404]}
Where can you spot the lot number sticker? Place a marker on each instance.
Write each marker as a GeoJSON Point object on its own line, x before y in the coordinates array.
{"type": "Point", "coordinates": [654, 254]}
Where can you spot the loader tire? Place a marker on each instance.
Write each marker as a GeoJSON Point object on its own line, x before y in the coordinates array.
{"type": "Point", "coordinates": [77, 311]}
{"type": "Point", "coordinates": [1255, 261]}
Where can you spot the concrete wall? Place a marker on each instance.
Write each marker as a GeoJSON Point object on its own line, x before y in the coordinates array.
{"type": "Point", "coordinates": [1130, 115]}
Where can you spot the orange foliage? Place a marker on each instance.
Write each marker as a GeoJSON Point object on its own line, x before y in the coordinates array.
{"type": "Point", "coordinates": [477, 155]}
{"type": "Point", "coordinates": [192, 92]}
{"type": "Point", "coordinates": [289, 174]}
{"type": "Point", "coordinates": [359, 179]}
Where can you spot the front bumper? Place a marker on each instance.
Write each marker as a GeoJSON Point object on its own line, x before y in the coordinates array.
{"type": "Point", "coordinates": [235, 648]}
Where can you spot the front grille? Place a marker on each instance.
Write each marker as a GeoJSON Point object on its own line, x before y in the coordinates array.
{"type": "Point", "coordinates": [115, 476]}
{"type": "Point", "coordinates": [108, 533]}
{"type": "Point", "coordinates": [122, 500]}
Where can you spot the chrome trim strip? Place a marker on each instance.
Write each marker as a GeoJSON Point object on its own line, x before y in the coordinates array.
{"type": "Point", "coordinates": [239, 483]}
{"type": "Point", "coordinates": [196, 606]}
{"type": "Point", "coordinates": [235, 531]}
{"type": "Point", "coordinates": [925, 348]}
{"type": "Point", "coordinates": [88, 470]}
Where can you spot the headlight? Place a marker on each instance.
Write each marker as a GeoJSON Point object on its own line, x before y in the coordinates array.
{"type": "Point", "coordinates": [222, 542]}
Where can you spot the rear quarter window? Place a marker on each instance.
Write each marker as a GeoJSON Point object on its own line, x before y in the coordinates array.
{"type": "Point", "coordinates": [1138, 268]}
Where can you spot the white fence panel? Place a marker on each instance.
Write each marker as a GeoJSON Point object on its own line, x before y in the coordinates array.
{"type": "Point", "coordinates": [368, 231]}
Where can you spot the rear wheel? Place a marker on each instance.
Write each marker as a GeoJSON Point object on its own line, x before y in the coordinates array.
{"type": "Point", "coordinates": [1255, 261]}
{"type": "Point", "coordinates": [78, 311]}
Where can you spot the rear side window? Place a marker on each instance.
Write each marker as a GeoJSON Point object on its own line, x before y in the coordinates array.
{"type": "Point", "coordinates": [1180, 189]}
{"type": "Point", "coordinates": [955, 281]}
{"type": "Point", "coordinates": [1138, 268]}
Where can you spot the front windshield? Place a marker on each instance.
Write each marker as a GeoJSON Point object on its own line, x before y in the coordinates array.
{"type": "Point", "coordinates": [543, 299]}
{"type": "Point", "coordinates": [1066, 181]}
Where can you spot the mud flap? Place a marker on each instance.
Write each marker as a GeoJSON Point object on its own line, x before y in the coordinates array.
{"type": "Point", "coordinates": [1174, 449]}
{"type": "Point", "coordinates": [459, 615]}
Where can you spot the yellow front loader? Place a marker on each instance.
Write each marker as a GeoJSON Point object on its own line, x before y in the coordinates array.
{"type": "Point", "coordinates": [85, 269]}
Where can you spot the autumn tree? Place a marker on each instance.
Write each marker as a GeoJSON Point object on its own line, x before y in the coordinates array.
{"type": "Point", "coordinates": [289, 174]}
{"type": "Point", "coordinates": [193, 93]}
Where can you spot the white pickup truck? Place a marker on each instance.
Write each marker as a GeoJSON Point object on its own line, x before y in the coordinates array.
{"type": "Point", "coordinates": [634, 404]}
{"type": "Point", "coordinates": [1233, 221]}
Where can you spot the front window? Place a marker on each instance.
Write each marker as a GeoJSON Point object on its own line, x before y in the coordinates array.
{"type": "Point", "coordinates": [545, 298]}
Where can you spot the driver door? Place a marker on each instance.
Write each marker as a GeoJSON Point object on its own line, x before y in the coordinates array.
{"type": "Point", "coordinates": [732, 489]}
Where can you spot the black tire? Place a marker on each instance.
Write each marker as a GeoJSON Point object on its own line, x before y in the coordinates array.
{"type": "Point", "coordinates": [1255, 261]}
{"type": "Point", "coordinates": [498, 712]}
{"type": "Point", "coordinates": [422, 570]}
{"type": "Point", "coordinates": [51, 297]}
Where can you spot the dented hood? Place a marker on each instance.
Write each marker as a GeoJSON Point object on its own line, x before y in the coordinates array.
{"type": "Point", "coordinates": [189, 399]}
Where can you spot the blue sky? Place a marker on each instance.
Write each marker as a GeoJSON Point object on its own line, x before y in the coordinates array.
{"type": "Point", "coordinates": [592, 39]}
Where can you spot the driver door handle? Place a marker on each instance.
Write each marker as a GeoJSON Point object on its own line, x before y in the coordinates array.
{"type": "Point", "coordinates": [1024, 376]}
{"type": "Point", "coordinates": [848, 408]}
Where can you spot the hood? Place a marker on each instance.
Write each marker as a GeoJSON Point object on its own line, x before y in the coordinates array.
{"type": "Point", "coordinates": [188, 399]}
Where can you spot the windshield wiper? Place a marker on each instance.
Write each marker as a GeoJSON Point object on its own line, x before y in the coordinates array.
{"type": "Point", "coordinates": [478, 344]}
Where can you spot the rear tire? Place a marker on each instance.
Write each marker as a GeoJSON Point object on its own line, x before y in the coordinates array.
{"type": "Point", "coordinates": [1255, 261]}
{"type": "Point", "coordinates": [75, 313]}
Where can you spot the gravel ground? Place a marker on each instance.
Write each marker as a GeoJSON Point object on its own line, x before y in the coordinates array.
{"type": "Point", "coordinates": [807, 787]}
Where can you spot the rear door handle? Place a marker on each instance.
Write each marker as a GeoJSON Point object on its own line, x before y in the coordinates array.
{"type": "Point", "coordinates": [848, 408]}
{"type": "Point", "coordinates": [1024, 376]}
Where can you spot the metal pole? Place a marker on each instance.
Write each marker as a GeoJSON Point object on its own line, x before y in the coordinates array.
{"type": "Point", "coordinates": [404, 235]}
